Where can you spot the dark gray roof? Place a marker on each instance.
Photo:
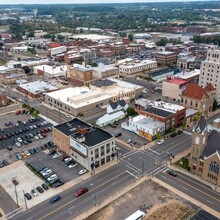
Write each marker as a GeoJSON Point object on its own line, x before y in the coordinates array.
{"type": "Point", "coordinates": [201, 125]}
{"type": "Point", "coordinates": [70, 127]}
{"type": "Point", "coordinates": [212, 144]}
{"type": "Point", "coordinates": [92, 137]}
{"type": "Point", "coordinates": [159, 112]}
{"type": "Point", "coordinates": [104, 82]}
{"type": "Point", "coordinates": [114, 105]}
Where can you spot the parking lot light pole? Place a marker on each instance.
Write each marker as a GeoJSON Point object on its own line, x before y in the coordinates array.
{"type": "Point", "coordinates": [25, 201]}
{"type": "Point", "coordinates": [16, 194]}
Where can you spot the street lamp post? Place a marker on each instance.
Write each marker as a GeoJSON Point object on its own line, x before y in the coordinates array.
{"type": "Point", "coordinates": [25, 200]}
{"type": "Point", "coordinates": [16, 194]}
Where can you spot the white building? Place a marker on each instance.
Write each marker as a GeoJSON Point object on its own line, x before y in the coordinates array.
{"type": "Point", "coordinates": [110, 118]}
{"type": "Point", "coordinates": [50, 71]}
{"type": "Point", "coordinates": [210, 71]}
{"type": "Point", "coordinates": [104, 71]}
{"type": "Point", "coordinates": [144, 126]}
{"type": "Point", "coordinates": [136, 67]}
{"type": "Point", "coordinates": [57, 50]}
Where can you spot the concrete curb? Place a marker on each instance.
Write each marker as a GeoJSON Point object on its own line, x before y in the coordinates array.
{"type": "Point", "coordinates": [190, 199]}
{"type": "Point", "coordinates": [107, 201]}
{"type": "Point", "coordinates": [3, 215]}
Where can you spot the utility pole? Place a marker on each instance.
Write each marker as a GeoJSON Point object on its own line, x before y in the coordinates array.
{"type": "Point", "coordinates": [16, 194]}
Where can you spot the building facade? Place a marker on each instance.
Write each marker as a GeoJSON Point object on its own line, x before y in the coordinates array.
{"type": "Point", "coordinates": [198, 98]}
{"type": "Point", "coordinates": [210, 71]}
{"type": "Point", "coordinates": [89, 146]}
{"type": "Point", "coordinates": [205, 152]}
{"type": "Point", "coordinates": [166, 58]}
{"type": "Point", "coordinates": [80, 75]}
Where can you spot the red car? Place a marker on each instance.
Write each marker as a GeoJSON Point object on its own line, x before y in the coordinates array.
{"type": "Point", "coordinates": [81, 191]}
{"type": "Point", "coordinates": [18, 112]}
{"type": "Point", "coordinates": [46, 129]}
{"type": "Point", "coordinates": [5, 137]}
{"type": "Point", "coordinates": [43, 134]}
{"type": "Point", "coordinates": [14, 181]}
{"type": "Point", "coordinates": [42, 131]}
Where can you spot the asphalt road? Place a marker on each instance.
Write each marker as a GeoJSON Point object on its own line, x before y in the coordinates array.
{"type": "Point", "coordinates": [193, 188]}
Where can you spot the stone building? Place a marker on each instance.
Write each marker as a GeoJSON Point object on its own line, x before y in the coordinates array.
{"type": "Point", "coordinates": [205, 152]}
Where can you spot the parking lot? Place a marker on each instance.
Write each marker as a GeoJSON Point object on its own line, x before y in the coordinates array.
{"type": "Point", "coordinates": [27, 181]}
{"type": "Point", "coordinates": [64, 173]}
{"type": "Point", "coordinates": [10, 135]}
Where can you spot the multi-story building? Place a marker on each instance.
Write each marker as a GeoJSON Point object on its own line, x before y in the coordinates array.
{"type": "Point", "coordinates": [80, 75]}
{"type": "Point", "coordinates": [186, 62]}
{"type": "Point", "coordinates": [9, 76]}
{"type": "Point", "coordinates": [136, 67]}
{"type": "Point", "coordinates": [3, 100]}
{"type": "Point", "coordinates": [89, 146]}
{"type": "Point", "coordinates": [92, 99]}
{"type": "Point", "coordinates": [173, 87]}
{"type": "Point", "coordinates": [204, 156]}
{"type": "Point", "coordinates": [171, 115]}
{"type": "Point", "coordinates": [166, 58]}
{"type": "Point", "coordinates": [210, 71]}
{"type": "Point", "coordinates": [105, 71]}
{"type": "Point", "coordinates": [196, 97]}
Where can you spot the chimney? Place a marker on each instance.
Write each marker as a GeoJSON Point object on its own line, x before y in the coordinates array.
{"type": "Point", "coordinates": [82, 130]}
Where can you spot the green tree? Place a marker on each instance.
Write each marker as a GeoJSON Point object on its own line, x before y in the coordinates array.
{"type": "Point", "coordinates": [24, 105]}
{"type": "Point", "coordinates": [130, 111]}
{"type": "Point", "coordinates": [196, 118]}
{"type": "Point", "coordinates": [173, 129]}
{"type": "Point", "coordinates": [36, 112]}
{"type": "Point", "coordinates": [158, 136]}
{"type": "Point", "coordinates": [215, 105]}
{"type": "Point", "coordinates": [130, 36]}
{"type": "Point", "coordinates": [32, 110]}
{"type": "Point", "coordinates": [184, 123]}
{"type": "Point", "coordinates": [31, 34]}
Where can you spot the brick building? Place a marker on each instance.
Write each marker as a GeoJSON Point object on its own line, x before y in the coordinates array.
{"type": "Point", "coordinates": [80, 75]}
{"type": "Point", "coordinates": [205, 152]}
{"type": "Point", "coordinates": [89, 146]}
{"type": "Point", "coordinates": [3, 100]}
{"type": "Point", "coordinates": [166, 58]}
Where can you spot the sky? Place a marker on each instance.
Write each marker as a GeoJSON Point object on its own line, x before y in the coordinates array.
{"type": "Point", "coordinates": [81, 1]}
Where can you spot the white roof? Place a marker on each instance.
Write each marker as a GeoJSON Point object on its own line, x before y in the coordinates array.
{"type": "Point", "coordinates": [103, 68]}
{"type": "Point", "coordinates": [127, 60]}
{"type": "Point", "coordinates": [52, 69]}
{"type": "Point", "coordinates": [137, 63]}
{"type": "Point", "coordinates": [3, 68]}
{"type": "Point", "coordinates": [109, 117]}
{"type": "Point", "coordinates": [147, 122]}
{"type": "Point", "coordinates": [38, 87]}
{"type": "Point", "coordinates": [190, 111]}
{"type": "Point", "coordinates": [124, 84]}
{"type": "Point", "coordinates": [92, 36]}
{"type": "Point", "coordinates": [187, 75]}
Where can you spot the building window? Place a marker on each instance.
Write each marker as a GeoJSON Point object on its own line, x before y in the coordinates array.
{"type": "Point", "coordinates": [108, 159]}
{"type": "Point", "coordinates": [102, 161]}
{"type": "Point", "coordinates": [97, 164]}
{"type": "Point", "coordinates": [102, 150]}
{"type": "Point", "coordinates": [96, 153]}
{"type": "Point", "coordinates": [108, 148]}
{"type": "Point", "coordinates": [91, 152]}
{"type": "Point", "coordinates": [214, 167]}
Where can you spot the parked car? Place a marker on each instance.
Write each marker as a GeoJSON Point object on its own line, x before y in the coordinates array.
{"type": "Point", "coordinates": [54, 181]}
{"type": "Point", "coordinates": [5, 162]}
{"type": "Point", "coordinates": [36, 149]}
{"type": "Point", "coordinates": [179, 132]}
{"type": "Point", "coordinates": [171, 173]}
{"type": "Point", "coordinates": [34, 192]}
{"type": "Point", "coordinates": [39, 189]}
{"type": "Point", "coordinates": [68, 159]}
{"type": "Point", "coordinates": [173, 135]}
{"type": "Point", "coordinates": [81, 172]}
{"type": "Point", "coordinates": [72, 165]}
{"type": "Point", "coordinates": [47, 172]}
{"type": "Point", "coordinates": [55, 199]}
{"type": "Point", "coordinates": [27, 152]}
{"type": "Point", "coordinates": [28, 196]}
{"type": "Point", "coordinates": [9, 148]}
{"type": "Point", "coordinates": [19, 157]}
{"type": "Point", "coordinates": [118, 134]}
{"type": "Point", "coordinates": [1, 164]}
{"type": "Point", "coordinates": [57, 155]}
{"type": "Point", "coordinates": [45, 186]}
{"type": "Point", "coordinates": [160, 142]}
{"type": "Point", "coordinates": [52, 177]}
{"type": "Point", "coordinates": [81, 191]}
{"type": "Point", "coordinates": [57, 184]}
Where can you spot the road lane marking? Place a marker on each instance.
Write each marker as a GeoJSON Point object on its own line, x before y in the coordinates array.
{"type": "Point", "coordinates": [134, 167]}
{"type": "Point", "coordinates": [160, 171]}
{"type": "Point", "coordinates": [132, 174]}
{"type": "Point", "coordinates": [210, 201]}
{"type": "Point", "coordinates": [153, 151]}
{"type": "Point", "coordinates": [158, 168]}
{"type": "Point", "coordinates": [66, 204]}
{"type": "Point", "coordinates": [185, 188]}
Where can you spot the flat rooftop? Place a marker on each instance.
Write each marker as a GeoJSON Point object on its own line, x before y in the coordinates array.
{"type": "Point", "coordinates": [157, 111]}
{"type": "Point", "coordinates": [187, 75]}
{"type": "Point", "coordinates": [93, 136]}
{"type": "Point", "coordinates": [37, 87]}
{"type": "Point", "coordinates": [177, 81]}
{"type": "Point", "coordinates": [147, 122]}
